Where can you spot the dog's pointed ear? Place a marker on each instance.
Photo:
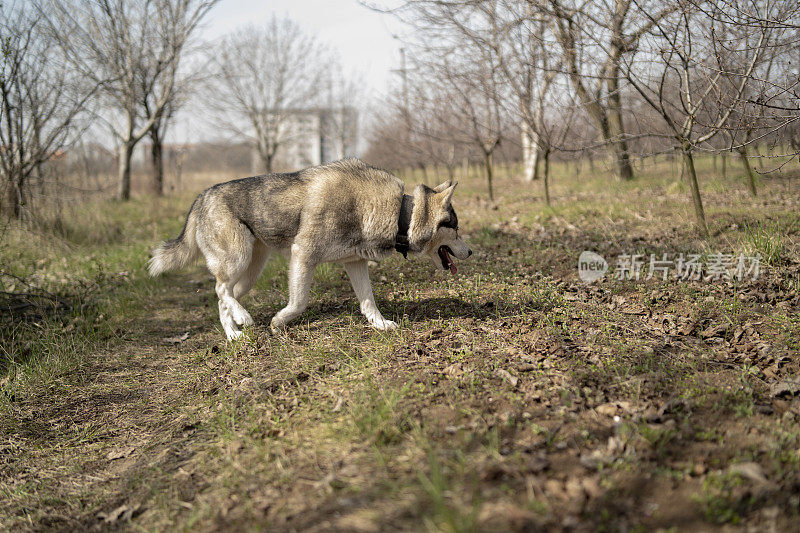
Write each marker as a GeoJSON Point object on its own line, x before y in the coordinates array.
{"type": "Point", "coordinates": [442, 187]}
{"type": "Point", "coordinates": [447, 193]}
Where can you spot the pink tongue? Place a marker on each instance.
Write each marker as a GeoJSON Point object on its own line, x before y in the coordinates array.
{"type": "Point", "coordinates": [450, 262]}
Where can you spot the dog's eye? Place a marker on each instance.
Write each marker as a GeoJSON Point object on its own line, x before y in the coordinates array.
{"type": "Point", "coordinates": [451, 221]}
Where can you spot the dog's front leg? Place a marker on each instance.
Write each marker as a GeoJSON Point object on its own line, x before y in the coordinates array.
{"type": "Point", "coordinates": [358, 272]}
{"type": "Point", "coordinates": [301, 272]}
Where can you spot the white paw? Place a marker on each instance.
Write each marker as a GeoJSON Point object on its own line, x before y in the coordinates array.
{"type": "Point", "coordinates": [243, 318]}
{"type": "Point", "coordinates": [277, 326]}
{"type": "Point", "coordinates": [384, 325]}
{"type": "Point", "coordinates": [233, 334]}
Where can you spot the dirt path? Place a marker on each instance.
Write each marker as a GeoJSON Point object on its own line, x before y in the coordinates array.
{"type": "Point", "coordinates": [94, 448]}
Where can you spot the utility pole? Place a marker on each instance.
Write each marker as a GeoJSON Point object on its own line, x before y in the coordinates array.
{"type": "Point", "coordinates": [404, 74]}
{"type": "Point", "coordinates": [403, 71]}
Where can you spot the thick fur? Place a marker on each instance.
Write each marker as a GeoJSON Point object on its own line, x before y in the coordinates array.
{"type": "Point", "coordinates": [344, 212]}
{"type": "Point", "coordinates": [179, 252]}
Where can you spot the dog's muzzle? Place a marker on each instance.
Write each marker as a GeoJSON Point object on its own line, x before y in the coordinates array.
{"type": "Point", "coordinates": [446, 255]}
{"type": "Point", "coordinates": [447, 261]}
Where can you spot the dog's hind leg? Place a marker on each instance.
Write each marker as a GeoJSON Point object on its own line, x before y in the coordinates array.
{"type": "Point", "coordinates": [228, 257]}
{"type": "Point", "coordinates": [225, 284]}
{"type": "Point", "coordinates": [227, 322]}
{"type": "Point", "coordinates": [358, 272]}
{"type": "Point", "coordinates": [258, 259]}
{"type": "Point", "coordinates": [301, 272]}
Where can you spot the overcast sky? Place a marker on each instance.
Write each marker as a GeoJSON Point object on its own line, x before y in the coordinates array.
{"type": "Point", "coordinates": [362, 38]}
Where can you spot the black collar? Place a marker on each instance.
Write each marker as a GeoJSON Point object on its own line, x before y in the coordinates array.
{"type": "Point", "coordinates": [403, 223]}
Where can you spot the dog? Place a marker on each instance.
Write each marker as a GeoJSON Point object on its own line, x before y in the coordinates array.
{"type": "Point", "coordinates": [345, 212]}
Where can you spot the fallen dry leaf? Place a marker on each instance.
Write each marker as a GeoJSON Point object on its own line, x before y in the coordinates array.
{"type": "Point", "coordinates": [177, 339]}
{"type": "Point", "coordinates": [452, 371]}
{"type": "Point", "coordinates": [338, 405]}
{"type": "Point", "coordinates": [120, 453]}
{"type": "Point", "coordinates": [785, 388]}
{"type": "Point", "coordinates": [749, 470]}
{"type": "Point", "coordinates": [505, 375]}
{"type": "Point", "coordinates": [125, 512]}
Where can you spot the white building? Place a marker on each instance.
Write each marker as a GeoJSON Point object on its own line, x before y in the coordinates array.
{"type": "Point", "coordinates": [315, 136]}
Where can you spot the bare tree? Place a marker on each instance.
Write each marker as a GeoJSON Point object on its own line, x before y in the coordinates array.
{"type": "Point", "coordinates": [512, 36]}
{"type": "Point", "coordinates": [171, 23]}
{"type": "Point", "coordinates": [156, 134]}
{"type": "Point", "coordinates": [138, 46]}
{"type": "Point", "coordinates": [681, 70]}
{"type": "Point", "coordinates": [450, 51]}
{"type": "Point", "coordinates": [438, 127]}
{"type": "Point", "coordinates": [343, 95]}
{"type": "Point", "coordinates": [593, 38]}
{"type": "Point", "coordinates": [530, 76]}
{"type": "Point", "coordinates": [590, 40]}
{"type": "Point", "coordinates": [764, 112]}
{"type": "Point", "coordinates": [518, 35]}
{"type": "Point", "coordinates": [41, 103]}
{"type": "Point", "coordinates": [261, 75]}
{"type": "Point", "coordinates": [476, 92]}
{"type": "Point", "coordinates": [468, 76]}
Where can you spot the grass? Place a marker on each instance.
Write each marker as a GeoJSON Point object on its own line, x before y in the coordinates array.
{"type": "Point", "coordinates": [765, 239]}
{"type": "Point", "coordinates": [334, 426]}
{"type": "Point", "coordinates": [722, 498]}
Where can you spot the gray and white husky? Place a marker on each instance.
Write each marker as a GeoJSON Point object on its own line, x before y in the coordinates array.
{"type": "Point", "coordinates": [346, 212]}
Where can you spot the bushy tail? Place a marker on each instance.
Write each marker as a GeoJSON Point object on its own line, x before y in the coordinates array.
{"type": "Point", "coordinates": [179, 252]}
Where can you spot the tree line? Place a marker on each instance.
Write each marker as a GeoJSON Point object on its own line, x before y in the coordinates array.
{"type": "Point", "coordinates": [120, 70]}
{"type": "Point", "coordinates": [628, 77]}
{"type": "Point", "coordinates": [617, 78]}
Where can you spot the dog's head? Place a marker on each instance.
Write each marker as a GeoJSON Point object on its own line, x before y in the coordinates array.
{"type": "Point", "coordinates": [434, 226]}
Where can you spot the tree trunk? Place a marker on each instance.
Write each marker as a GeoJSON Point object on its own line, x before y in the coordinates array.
{"type": "Point", "coordinates": [622, 168]}
{"type": "Point", "coordinates": [157, 153]}
{"type": "Point", "coordinates": [487, 161]}
{"type": "Point", "coordinates": [724, 163]}
{"type": "Point", "coordinates": [11, 202]}
{"type": "Point", "coordinates": [748, 170]}
{"type": "Point", "coordinates": [546, 181]}
{"type": "Point", "coordinates": [266, 153]}
{"type": "Point", "coordinates": [125, 154]}
{"type": "Point", "coordinates": [609, 119]}
{"type": "Point", "coordinates": [530, 154]}
{"type": "Point", "coordinates": [616, 131]}
{"type": "Point", "coordinates": [179, 168]}
{"type": "Point", "coordinates": [617, 148]}
{"type": "Point", "coordinates": [696, 200]}
{"type": "Point", "coordinates": [256, 160]}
